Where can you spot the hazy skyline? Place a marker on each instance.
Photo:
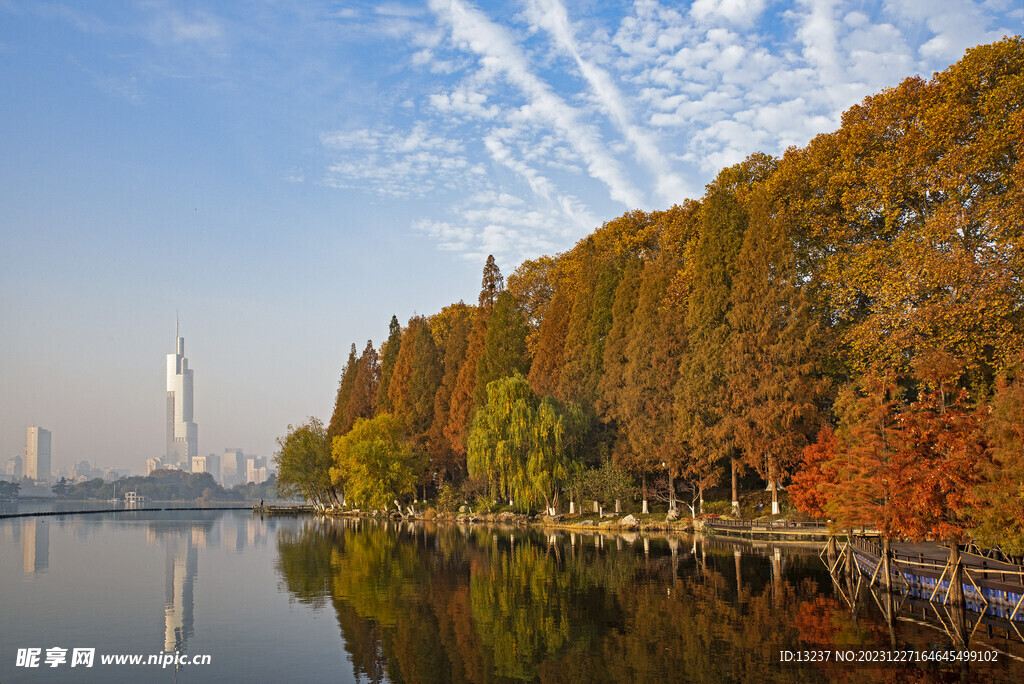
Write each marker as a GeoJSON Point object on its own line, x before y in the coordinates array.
{"type": "Point", "coordinates": [289, 176]}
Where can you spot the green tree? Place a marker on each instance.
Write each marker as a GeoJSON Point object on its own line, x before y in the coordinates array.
{"type": "Point", "coordinates": [375, 463]}
{"type": "Point", "coordinates": [388, 358]}
{"type": "Point", "coordinates": [504, 351]}
{"type": "Point", "coordinates": [304, 462]}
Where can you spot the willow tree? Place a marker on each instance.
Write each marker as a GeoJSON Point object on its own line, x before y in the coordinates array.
{"type": "Point", "coordinates": [523, 445]}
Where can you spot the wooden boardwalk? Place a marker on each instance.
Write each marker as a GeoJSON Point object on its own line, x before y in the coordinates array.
{"type": "Point", "coordinates": [783, 530]}
{"type": "Point", "coordinates": [989, 585]}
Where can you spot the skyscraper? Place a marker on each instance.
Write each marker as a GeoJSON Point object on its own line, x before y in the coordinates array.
{"type": "Point", "coordinates": [37, 454]}
{"type": "Point", "coordinates": [182, 433]}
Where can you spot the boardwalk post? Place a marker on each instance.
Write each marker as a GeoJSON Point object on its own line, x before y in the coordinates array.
{"type": "Point", "coordinates": [886, 553]}
{"type": "Point", "coordinates": [832, 551]}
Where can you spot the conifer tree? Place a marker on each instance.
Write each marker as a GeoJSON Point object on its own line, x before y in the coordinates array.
{"type": "Point", "coordinates": [415, 379]}
{"type": "Point", "coordinates": [645, 403]}
{"type": "Point", "coordinates": [463, 402]}
{"type": "Point", "coordinates": [363, 400]}
{"type": "Point", "coordinates": [773, 384]}
{"type": "Point", "coordinates": [444, 460]}
{"type": "Point", "coordinates": [704, 420]}
{"type": "Point", "coordinates": [388, 357]}
{"type": "Point", "coordinates": [546, 366]}
{"type": "Point", "coordinates": [504, 353]}
{"type": "Point", "coordinates": [338, 423]}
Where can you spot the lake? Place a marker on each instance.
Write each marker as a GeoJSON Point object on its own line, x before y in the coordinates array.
{"type": "Point", "coordinates": [300, 599]}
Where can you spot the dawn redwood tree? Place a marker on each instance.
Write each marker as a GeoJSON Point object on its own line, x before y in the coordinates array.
{"type": "Point", "coordinates": [463, 402]}
{"type": "Point", "coordinates": [338, 425]}
{"type": "Point", "coordinates": [772, 371]}
{"type": "Point", "coordinates": [444, 460]}
{"type": "Point", "coordinates": [388, 356]}
{"type": "Point", "coordinates": [702, 408]}
{"type": "Point", "coordinates": [415, 380]}
{"type": "Point", "coordinates": [1000, 494]}
{"type": "Point", "coordinates": [504, 352]}
{"type": "Point", "coordinates": [362, 401]}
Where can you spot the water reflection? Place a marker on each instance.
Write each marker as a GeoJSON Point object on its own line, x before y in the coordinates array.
{"type": "Point", "coordinates": [35, 535]}
{"type": "Point", "coordinates": [425, 604]}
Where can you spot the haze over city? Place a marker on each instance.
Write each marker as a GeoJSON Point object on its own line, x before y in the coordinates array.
{"type": "Point", "coordinates": [287, 177]}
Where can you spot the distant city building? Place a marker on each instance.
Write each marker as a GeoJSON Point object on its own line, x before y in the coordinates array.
{"type": "Point", "coordinates": [37, 454]}
{"type": "Point", "coordinates": [182, 432]}
{"type": "Point", "coordinates": [232, 467]}
{"type": "Point", "coordinates": [14, 469]}
{"type": "Point", "coordinates": [153, 464]}
{"type": "Point", "coordinates": [256, 469]}
{"type": "Point", "coordinates": [207, 464]}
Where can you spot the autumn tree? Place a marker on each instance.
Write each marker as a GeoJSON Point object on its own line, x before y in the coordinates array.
{"type": "Point", "coordinates": [773, 385]}
{"type": "Point", "coordinates": [362, 401]}
{"type": "Point", "coordinates": [338, 425]}
{"type": "Point", "coordinates": [415, 379]}
{"type": "Point", "coordinates": [533, 286]}
{"type": "Point", "coordinates": [464, 396]}
{"type": "Point", "coordinates": [702, 408]}
{"type": "Point", "coordinates": [444, 460]}
{"type": "Point", "coordinates": [1000, 494]}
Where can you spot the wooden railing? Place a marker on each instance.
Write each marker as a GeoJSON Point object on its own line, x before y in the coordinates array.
{"type": "Point", "coordinates": [766, 524]}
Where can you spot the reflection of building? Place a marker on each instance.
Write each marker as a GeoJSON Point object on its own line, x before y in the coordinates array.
{"type": "Point", "coordinates": [182, 433]}
{"type": "Point", "coordinates": [35, 545]}
{"type": "Point", "coordinates": [37, 454]}
{"type": "Point", "coordinates": [182, 568]}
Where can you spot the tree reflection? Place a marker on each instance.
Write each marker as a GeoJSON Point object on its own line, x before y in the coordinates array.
{"type": "Point", "coordinates": [432, 604]}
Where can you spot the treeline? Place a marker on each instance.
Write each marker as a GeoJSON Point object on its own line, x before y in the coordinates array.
{"type": "Point", "coordinates": [846, 319]}
{"type": "Point", "coordinates": [166, 485]}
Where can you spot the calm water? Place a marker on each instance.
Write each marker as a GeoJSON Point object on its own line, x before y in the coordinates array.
{"type": "Point", "coordinates": [301, 600]}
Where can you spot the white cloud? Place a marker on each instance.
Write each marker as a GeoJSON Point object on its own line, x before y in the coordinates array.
{"type": "Point", "coordinates": [740, 12]}
{"type": "Point", "coordinates": [498, 53]}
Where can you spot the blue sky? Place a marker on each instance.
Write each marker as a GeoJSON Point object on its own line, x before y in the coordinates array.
{"type": "Point", "coordinates": [287, 175]}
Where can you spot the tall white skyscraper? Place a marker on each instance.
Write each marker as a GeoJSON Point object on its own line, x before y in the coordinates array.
{"type": "Point", "coordinates": [182, 432]}
{"type": "Point", "coordinates": [37, 454]}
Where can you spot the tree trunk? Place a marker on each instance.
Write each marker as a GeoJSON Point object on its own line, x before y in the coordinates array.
{"type": "Point", "coordinates": [572, 507]}
{"type": "Point", "coordinates": [775, 496]}
{"type": "Point", "coordinates": [643, 492]}
{"type": "Point", "coordinates": [596, 507]}
{"type": "Point", "coordinates": [735, 489]}
{"type": "Point", "coordinates": [671, 490]}
{"type": "Point", "coordinates": [700, 499]}
{"type": "Point", "coordinates": [618, 506]}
